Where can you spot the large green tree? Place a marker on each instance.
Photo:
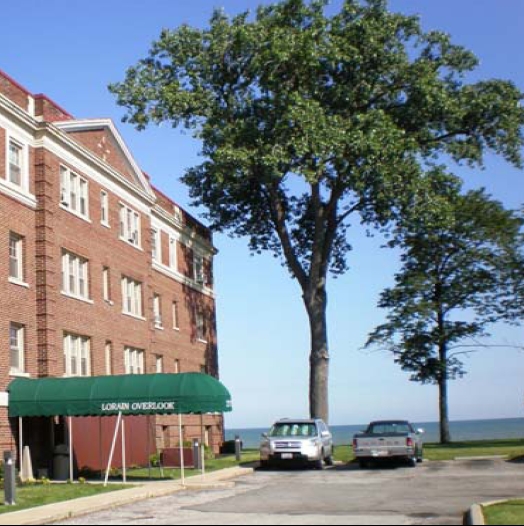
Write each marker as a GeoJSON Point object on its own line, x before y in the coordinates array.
{"type": "Point", "coordinates": [461, 272]}
{"type": "Point", "coordinates": [310, 122]}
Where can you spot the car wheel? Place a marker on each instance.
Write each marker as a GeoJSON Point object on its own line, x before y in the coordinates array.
{"type": "Point", "coordinates": [329, 461]}
{"type": "Point", "coordinates": [363, 464]}
{"type": "Point", "coordinates": [420, 457]}
{"type": "Point", "coordinates": [412, 462]}
{"type": "Point", "coordinates": [264, 464]}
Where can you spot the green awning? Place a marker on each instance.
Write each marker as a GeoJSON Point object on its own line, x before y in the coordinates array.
{"type": "Point", "coordinates": [151, 394]}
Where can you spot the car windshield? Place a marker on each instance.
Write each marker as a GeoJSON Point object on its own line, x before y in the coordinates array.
{"type": "Point", "coordinates": [293, 430]}
{"type": "Point", "coordinates": [390, 428]}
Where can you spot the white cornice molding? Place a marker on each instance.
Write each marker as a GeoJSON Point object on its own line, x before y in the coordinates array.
{"type": "Point", "coordinates": [97, 124]}
{"type": "Point", "coordinates": [183, 280]}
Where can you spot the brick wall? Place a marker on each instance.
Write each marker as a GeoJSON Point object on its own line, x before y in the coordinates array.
{"type": "Point", "coordinates": [47, 313]}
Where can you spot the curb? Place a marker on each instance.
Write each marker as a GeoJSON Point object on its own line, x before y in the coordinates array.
{"type": "Point", "coordinates": [86, 505]}
{"type": "Point", "coordinates": [475, 515]}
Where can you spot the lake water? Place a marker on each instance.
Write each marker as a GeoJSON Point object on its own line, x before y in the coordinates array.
{"type": "Point", "coordinates": [460, 431]}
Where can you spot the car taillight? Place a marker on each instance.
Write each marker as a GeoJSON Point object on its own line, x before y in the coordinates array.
{"type": "Point", "coordinates": [409, 442]}
{"type": "Point", "coordinates": [355, 443]}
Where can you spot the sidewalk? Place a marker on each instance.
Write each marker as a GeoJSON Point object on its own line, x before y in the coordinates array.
{"type": "Point", "coordinates": [141, 491]}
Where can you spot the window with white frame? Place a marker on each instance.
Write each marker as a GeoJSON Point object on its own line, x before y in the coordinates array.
{"type": "Point", "coordinates": [173, 253]}
{"type": "Point", "coordinates": [77, 355]}
{"type": "Point", "coordinates": [74, 193]}
{"type": "Point", "coordinates": [134, 360]}
{"type": "Point", "coordinates": [177, 366]}
{"type": "Point", "coordinates": [159, 361]}
{"type": "Point", "coordinates": [106, 284]}
{"type": "Point", "coordinates": [75, 275]}
{"type": "Point", "coordinates": [198, 268]}
{"type": "Point", "coordinates": [129, 225]}
{"type": "Point", "coordinates": [156, 250]}
{"type": "Point", "coordinates": [157, 310]}
{"type": "Point", "coordinates": [15, 172]}
{"type": "Point", "coordinates": [104, 208]}
{"type": "Point", "coordinates": [132, 297]}
{"type": "Point", "coordinates": [109, 358]}
{"type": "Point", "coordinates": [16, 257]}
{"type": "Point", "coordinates": [200, 326]}
{"type": "Point", "coordinates": [176, 321]}
{"type": "Point", "coordinates": [17, 347]}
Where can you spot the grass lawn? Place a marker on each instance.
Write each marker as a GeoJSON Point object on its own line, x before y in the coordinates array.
{"type": "Point", "coordinates": [511, 512]}
{"type": "Point", "coordinates": [222, 462]}
{"type": "Point", "coordinates": [39, 495]}
{"type": "Point", "coordinates": [511, 448]}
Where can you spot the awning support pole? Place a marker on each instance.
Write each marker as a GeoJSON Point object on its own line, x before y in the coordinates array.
{"type": "Point", "coordinates": [124, 470]}
{"type": "Point", "coordinates": [203, 440]}
{"type": "Point", "coordinates": [21, 445]}
{"type": "Point", "coordinates": [181, 442]}
{"type": "Point", "coordinates": [70, 449]}
{"type": "Point", "coordinates": [113, 445]}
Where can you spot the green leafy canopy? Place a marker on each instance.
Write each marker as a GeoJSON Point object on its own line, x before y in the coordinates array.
{"type": "Point", "coordinates": [307, 120]}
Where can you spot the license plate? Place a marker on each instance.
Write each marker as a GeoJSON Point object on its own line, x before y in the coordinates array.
{"type": "Point", "coordinates": [287, 456]}
{"type": "Point", "coordinates": [379, 453]}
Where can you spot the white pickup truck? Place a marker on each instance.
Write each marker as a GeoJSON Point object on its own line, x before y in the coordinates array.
{"type": "Point", "coordinates": [389, 439]}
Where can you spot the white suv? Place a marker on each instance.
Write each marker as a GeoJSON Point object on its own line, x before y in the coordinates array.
{"type": "Point", "coordinates": [297, 441]}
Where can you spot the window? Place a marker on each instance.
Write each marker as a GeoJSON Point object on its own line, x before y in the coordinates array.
{"type": "Point", "coordinates": [129, 225]}
{"type": "Point", "coordinates": [172, 254]}
{"type": "Point", "coordinates": [157, 310]}
{"type": "Point", "coordinates": [16, 164]}
{"type": "Point", "coordinates": [200, 327]}
{"type": "Point", "coordinates": [134, 361]}
{"type": "Point", "coordinates": [106, 284]}
{"type": "Point", "coordinates": [156, 245]}
{"type": "Point", "coordinates": [75, 278]}
{"type": "Point", "coordinates": [198, 268]}
{"type": "Point", "coordinates": [77, 355]}
{"type": "Point", "coordinates": [203, 369]}
{"type": "Point", "coordinates": [104, 208]}
{"type": "Point", "coordinates": [177, 366]}
{"type": "Point", "coordinates": [16, 257]}
{"type": "Point", "coordinates": [109, 358]}
{"type": "Point", "coordinates": [74, 192]}
{"type": "Point", "coordinates": [176, 323]}
{"type": "Point", "coordinates": [17, 347]}
{"type": "Point", "coordinates": [132, 297]}
{"type": "Point", "coordinates": [159, 364]}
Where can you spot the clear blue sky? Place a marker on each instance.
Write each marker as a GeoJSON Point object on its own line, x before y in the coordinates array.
{"type": "Point", "coordinates": [71, 50]}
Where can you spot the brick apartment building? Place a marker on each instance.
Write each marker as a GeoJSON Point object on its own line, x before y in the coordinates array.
{"type": "Point", "coordinates": [101, 273]}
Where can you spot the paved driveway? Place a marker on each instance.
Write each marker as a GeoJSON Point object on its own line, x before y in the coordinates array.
{"type": "Point", "coordinates": [434, 493]}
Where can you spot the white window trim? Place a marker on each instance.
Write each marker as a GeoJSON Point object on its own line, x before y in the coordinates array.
{"type": "Point", "coordinates": [198, 316]}
{"type": "Point", "coordinates": [19, 255]}
{"type": "Point", "coordinates": [156, 238]}
{"type": "Point", "coordinates": [128, 234]}
{"type": "Point", "coordinates": [134, 358]}
{"type": "Point", "coordinates": [69, 339]}
{"type": "Point", "coordinates": [108, 356]}
{"type": "Point", "coordinates": [65, 193]}
{"type": "Point", "coordinates": [176, 315]}
{"type": "Point", "coordinates": [15, 281]}
{"type": "Point", "coordinates": [66, 277]}
{"type": "Point", "coordinates": [21, 341]}
{"type": "Point", "coordinates": [159, 360]}
{"type": "Point", "coordinates": [104, 208]}
{"type": "Point", "coordinates": [157, 311]}
{"type": "Point", "coordinates": [20, 193]}
{"type": "Point", "coordinates": [173, 253]}
{"type": "Point", "coordinates": [24, 169]}
{"type": "Point", "coordinates": [137, 302]}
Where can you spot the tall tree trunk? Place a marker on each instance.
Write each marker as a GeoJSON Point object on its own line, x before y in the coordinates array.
{"type": "Point", "coordinates": [445, 435]}
{"type": "Point", "coordinates": [316, 307]}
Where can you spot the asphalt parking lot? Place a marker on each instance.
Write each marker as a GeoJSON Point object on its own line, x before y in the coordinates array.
{"type": "Point", "coordinates": [432, 493]}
